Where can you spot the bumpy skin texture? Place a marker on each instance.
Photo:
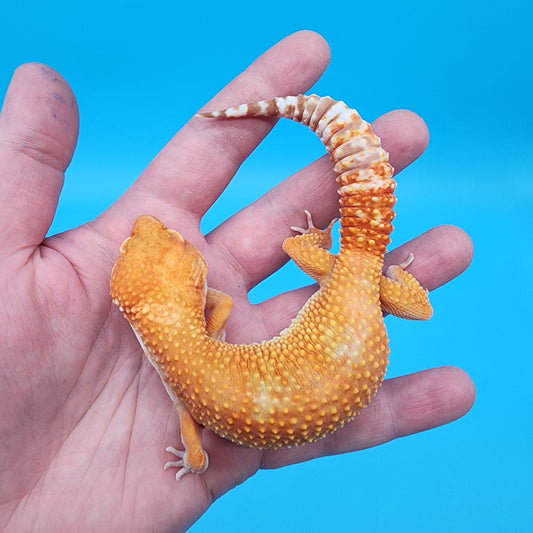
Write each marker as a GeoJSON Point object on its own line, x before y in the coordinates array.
{"type": "Point", "coordinates": [328, 364]}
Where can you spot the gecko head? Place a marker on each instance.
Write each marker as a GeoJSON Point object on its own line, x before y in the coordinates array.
{"type": "Point", "coordinates": [157, 269]}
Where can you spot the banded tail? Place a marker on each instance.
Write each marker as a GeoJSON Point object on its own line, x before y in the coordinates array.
{"type": "Point", "coordinates": [364, 175]}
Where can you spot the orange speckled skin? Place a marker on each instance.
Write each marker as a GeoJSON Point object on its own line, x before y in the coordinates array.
{"type": "Point", "coordinates": [291, 389]}
{"type": "Point", "coordinates": [323, 369]}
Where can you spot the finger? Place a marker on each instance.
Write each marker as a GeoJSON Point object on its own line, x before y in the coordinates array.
{"type": "Point", "coordinates": [38, 133]}
{"type": "Point", "coordinates": [403, 406]}
{"type": "Point", "coordinates": [253, 236]}
{"type": "Point", "coordinates": [194, 168]}
{"type": "Point", "coordinates": [441, 254]}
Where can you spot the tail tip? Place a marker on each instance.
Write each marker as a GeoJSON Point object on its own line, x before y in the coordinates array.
{"type": "Point", "coordinates": [212, 114]}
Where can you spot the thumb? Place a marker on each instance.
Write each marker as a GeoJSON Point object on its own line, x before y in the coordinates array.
{"type": "Point", "coordinates": [38, 134]}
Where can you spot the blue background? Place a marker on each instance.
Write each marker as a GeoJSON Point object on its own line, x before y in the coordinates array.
{"type": "Point", "coordinates": [140, 69]}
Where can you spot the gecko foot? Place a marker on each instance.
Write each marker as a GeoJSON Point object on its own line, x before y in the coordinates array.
{"type": "Point", "coordinates": [403, 265]}
{"type": "Point", "coordinates": [311, 226]}
{"type": "Point", "coordinates": [401, 295]}
{"type": "Point", "coordinates": [181, 463]}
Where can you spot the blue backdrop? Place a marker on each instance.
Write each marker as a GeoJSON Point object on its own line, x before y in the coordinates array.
{"type": "Point", "coordinates": [140, 69]}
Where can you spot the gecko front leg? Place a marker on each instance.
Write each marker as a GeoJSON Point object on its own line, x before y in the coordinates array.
{"type": "Point", "coordinates": [218, 307]}
{"type": "Point", "coordinates": [193, 459]}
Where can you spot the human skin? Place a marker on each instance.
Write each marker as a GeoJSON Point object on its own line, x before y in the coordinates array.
{"type": "Point", "coordinates": [84, 418]}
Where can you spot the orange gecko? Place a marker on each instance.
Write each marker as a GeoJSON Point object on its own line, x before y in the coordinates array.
{"type": "Point", "coordinates": [318, 373]}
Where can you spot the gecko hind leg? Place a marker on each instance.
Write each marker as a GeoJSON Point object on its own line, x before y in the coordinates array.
{"type": "Point", "coordinates": [401, 295]}
{"type": "Point", "coordinates": [309, 250]}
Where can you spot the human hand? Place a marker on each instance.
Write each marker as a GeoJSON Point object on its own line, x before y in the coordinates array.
{"type": "Point", "coordinates": [84, 419]}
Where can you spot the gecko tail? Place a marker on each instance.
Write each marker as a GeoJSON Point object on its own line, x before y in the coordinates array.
{"type": "Point", "coordinates": [341, 129]}
{"type": "Point", "coordinates": [309, 110]}
{"type": "Point", "coordinates": [364, 174]}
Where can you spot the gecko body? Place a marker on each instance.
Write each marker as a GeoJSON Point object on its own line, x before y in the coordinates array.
{"type": "Point", "coordinates": [317, 374]}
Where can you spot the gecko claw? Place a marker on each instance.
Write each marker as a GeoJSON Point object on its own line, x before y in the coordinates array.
{"type": "Point", "coordinates": [181, 463]}
{"type": "Point", "coordinates": [311, 225]}
{"type": "Point", "coordinates": [408, 261]}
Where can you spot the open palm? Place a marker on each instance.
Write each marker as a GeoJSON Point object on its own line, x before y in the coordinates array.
{"type": "Point", "coordinates": [84, 419]}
